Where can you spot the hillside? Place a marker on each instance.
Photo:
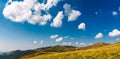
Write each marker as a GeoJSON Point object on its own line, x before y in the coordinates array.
{"type": "Point", "coordinates": [15, 54]}
{"type": "Point", "coordinates": [18, 53]}
{"type": "Point", "coordinates": [1, 52]}
{"type": "Point", "coordinates": [97, 45]}
{"type": "Point", "coordinates": [57, 48]}
{"type": "Point", "coordinates": [105, 52]}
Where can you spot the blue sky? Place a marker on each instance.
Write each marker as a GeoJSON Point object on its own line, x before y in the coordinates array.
{"type": "Point", "coordinates": [26, 25]}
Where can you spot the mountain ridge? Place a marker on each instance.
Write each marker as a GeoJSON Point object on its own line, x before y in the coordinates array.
{"type": "Point", "coordinates": [109, 51]}
{"type": "Point", "coordinates": [46, 50]}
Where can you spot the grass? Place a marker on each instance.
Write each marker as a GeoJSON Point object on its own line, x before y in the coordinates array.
{"type": "Point", "coordinates": [105, 52]}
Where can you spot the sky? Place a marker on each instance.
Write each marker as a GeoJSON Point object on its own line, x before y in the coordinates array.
{"type": "Point", "coordinates": [29, 24]}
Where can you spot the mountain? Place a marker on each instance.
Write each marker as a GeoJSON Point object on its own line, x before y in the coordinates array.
{"type": "Point", "coordinates": [1, 52]}
{"type": "Point", "coordinates": [57, 48]}
{"type": "Point", "coordinates": [62, 49]}
{"type": "Point", "coordinates": [47, 50]}
{"type": "Point", "coordinates": [97, 45]}
{"type": "Point", "coordinates": [15, 54]}
{"type": "Point", "coordinates": [18, 53]}
{"type": "Point", "coordinates": [96, 51]}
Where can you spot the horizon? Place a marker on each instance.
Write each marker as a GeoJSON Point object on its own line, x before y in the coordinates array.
{"type": "Point", "coordinates": [2, 52]}
{"type": "Point", "coordinates": [30, 24]}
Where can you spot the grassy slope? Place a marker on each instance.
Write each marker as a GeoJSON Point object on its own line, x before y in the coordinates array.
{"type": "Point", "coordinates": [105, 52]}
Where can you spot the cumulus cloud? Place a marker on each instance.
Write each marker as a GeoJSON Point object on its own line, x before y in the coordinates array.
{"type": "Point", "coordinates": [67, 43]}
{"type": "Point", "coordinates": [54, 36]}
{"type": "Point", "coordinates": [17, 11]}
{"type": "Point", "coordinates": [34, 42]}
{"type": "Point", "coordinates": [76, 43]}
{"type": "Point", "coordinates": [57, 21]}
{"type": "Point", "coordinates": [66, 37]}
{"type": "Point", "coordinates": [71, 13]}
{"type": "Point", "coordinates": [99, 36]}
{"type": "Point", "coordinates": [41, 41]}
{"type": "Point", "coordinates": [114, 13]}
{"type": "Point", "coordinates": [59, 39]}
{"type": "Point", "coordinates": [67, 8]}
{"type": "Point", "coordinates": [82, 26]}
{"type": "Point", "coordinates": [41, 20]}
{"type": "Point", "coordinates": [114, 33]}
{"type": "Point", "coordinates": [29, 11]}
{"type": "Point", "coordinates": [83, 44]}
{"type": "Point", "coordinates": [50, 3]}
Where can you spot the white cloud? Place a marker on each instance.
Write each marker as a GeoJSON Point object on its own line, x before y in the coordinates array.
{"type": "Point", "coordinates": [71, 13]}
{"type": "Point", "coordinates": [67, 8]}
{"type": "Point", "coordinates": [70, 43]}
{"type": "Point", "coordinates": [41, 20]}
{"type": "Point", "coordinates": [17, 11]}
{"type": "Point", "coordinates": [82, 26]}
{"type": "Point", "coordinates": [50, 3]}
{"type": "Point", "coordinates": [83, 44]}
{"type": "Point", "coordinates": [114, 33]}
{"type": "Point", "coordinates": [76, 43]}
{"type": "Point", "coordinates": [54, 36]}
{"type": "Point", "coordinates": [59, 39]}
{"type": "Point", "coordinates": [41, 42]}
{"type": "Point", "coordinates": [21, 11]}
{"type": "Point", "coordinates": [99, 36]}
{"type": "Point", "coordinates": [67, 43]}
{"type": "Point", "coordinates": [114, 13]}
{"type": "Point", "coordinates": [57, 21]}
{"type": "Point", "coordinates": [34, 42]}
{"type": "Point", "coordinates": [31, 11]}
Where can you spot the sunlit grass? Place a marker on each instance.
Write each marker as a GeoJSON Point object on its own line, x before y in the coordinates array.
{"type": "Point", "coordinates": [106, 52]}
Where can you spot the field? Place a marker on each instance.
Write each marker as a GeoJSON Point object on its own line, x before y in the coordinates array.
{"type": "Point", "coordinates": [106, 52]}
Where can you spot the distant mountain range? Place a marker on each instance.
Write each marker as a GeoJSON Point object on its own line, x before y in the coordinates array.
{"type": "Point", "coordinates": [95, 51]}
{"type": "Point", "coordinates": [46, 50]}
{"type": "Point", "coordinates": [1, 52]}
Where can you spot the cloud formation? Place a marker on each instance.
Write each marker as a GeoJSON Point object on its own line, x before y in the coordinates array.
{"type": "Point", "coordinates": [71, 13]}
{"type": "Point", "coordinates": [99, 36]}
{"type": "Point", "coordinates": [41, 41]}
{"type": "Point", "coordinates": [114, 33]}
{"type": "Point", "coordinates": [34, 42]}
{"type": "Point", "coordinates": [114, 13]}
{"type": "Point", "coordinates": [67, 43]}
{"type": "Point", "coordinates": [59, 39]}
{"type": "Point", "coordinates": [29, 11]}
{"type": "Point", "coordinates": [82, 26]}
{"type": "Point", "coordinates": [83, 44]}
{"type": "Point", "coordinates": [53, 36]}
{"type": "Point", "coordinates": [57, 21]}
